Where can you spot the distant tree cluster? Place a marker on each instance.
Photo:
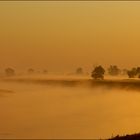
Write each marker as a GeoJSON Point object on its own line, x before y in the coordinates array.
{"type": "Point", "coordinates": [9, 72]}
{"type": "Point", "coordinates": [33, 71]}
{"type": "Point", "coordinates": [97, 73]}
{"type": "Point", "coordinates": [134, 72]}
{"type": "Point", "coordinates": [114, 70]}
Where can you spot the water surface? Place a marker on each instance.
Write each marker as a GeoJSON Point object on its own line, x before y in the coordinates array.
{"type": "Point", "coordinates": [45, 111]}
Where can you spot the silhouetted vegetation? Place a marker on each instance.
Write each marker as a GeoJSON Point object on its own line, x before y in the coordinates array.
{"type": "Point", "coordinates": [138, 72]}
{"type": "Point", "coordinates": [31, 71]}
{"type": "Point", "coordinates": [134, 72]}
{"type": "Point", "coordinates": [127, 137]}
{"type": "Point", "coordinates": [9, 72]}
{"type": "Point", "coordinates": [79, 71]}
{"type": "Point", "coordinates": [124, 72]}
{"type": "Point", "coordinates": [131, 73]}
{"type": "Point", "coordinates": [98, 72]}
{"type": "Point", "coordinates": [114, 70]}
{"type": "Point", "coordinates": [45, 72]}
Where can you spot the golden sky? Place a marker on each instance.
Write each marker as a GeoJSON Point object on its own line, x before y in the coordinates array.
{"type": "Point", "coordinates": [61, 36]}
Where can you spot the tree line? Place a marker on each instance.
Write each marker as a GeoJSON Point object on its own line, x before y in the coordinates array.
{"type": "Point", "coordinates": [11, 71]}
{"type": "Point", "coordinates": [113, 70]}
{"type": "Point", "coordinates": [97, 73]}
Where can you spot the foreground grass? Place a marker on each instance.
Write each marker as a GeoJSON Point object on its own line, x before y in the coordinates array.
{"type": "Point", "coordinates": [127, 137]}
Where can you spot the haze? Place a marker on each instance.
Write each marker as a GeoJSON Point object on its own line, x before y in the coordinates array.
{"type": "Point", "coordinates": [41, 111]}
{"type": "Point", "coordinates": [62, 36]}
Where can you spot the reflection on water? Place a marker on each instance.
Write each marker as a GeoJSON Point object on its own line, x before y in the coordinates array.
{"type": "Point", "coordinates": [38, 111]}
{"type": "Point", "coordinates": [4, 93]}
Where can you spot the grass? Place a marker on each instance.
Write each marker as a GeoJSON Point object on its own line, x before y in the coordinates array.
{"type": "Point", "coordinates": [127, 137]}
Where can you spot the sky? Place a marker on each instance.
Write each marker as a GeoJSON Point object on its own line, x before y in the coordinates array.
{"type": "Point", "coordinates": [61, 36]}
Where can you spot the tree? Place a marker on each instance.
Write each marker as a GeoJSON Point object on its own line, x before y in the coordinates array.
{"type": "Point", "coordinates": [132, 73]}
{"type": "Point", "coordinates": [45, 72]}
{"type": "Point", "coordinates": [138, 71]}
{"type": "Point", "coordinates": [79, 70]}
{"type": "Point", "coordinates": [124, 72]}
{"type": "Point", "coordinates": [9, 72]}
{"type": "Point", "coordinates": [113, 70]}
{"type": "Point", "coordinates": [98, 72]}
{"type": "Point", "coordinates": [31, 71]}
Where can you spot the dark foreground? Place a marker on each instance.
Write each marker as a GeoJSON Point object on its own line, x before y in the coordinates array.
{"type": "Point", "coordinates": [127, 137]}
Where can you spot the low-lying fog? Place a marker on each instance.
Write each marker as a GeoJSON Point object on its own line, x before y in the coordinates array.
{"type": "Point", "coordinates": [31, 110]}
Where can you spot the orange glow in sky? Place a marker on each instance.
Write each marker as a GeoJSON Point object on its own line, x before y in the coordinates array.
{"type": "Point", "coordinates": [65, 35]}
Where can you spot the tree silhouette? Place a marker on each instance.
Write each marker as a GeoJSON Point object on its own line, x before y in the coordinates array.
{"type": "Point", "coordinates": [98, 72]}
{"type": "Point", "coordinates": [138, 71]}
{"type": "Point", "coordinates": [31, 71]}
{"type": "Point", "coordinates": [9, 72]}
{"type": "Point", "coordinates": [79, 70]}
{"type": "Point", "coordinates": [132, 73]}
{"type": "Point", "coordinates": [113, 70]}
{"type": "Point", "coordinates": [124, 72]}
{"type": "Point", "coordinates": [45, 72]}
